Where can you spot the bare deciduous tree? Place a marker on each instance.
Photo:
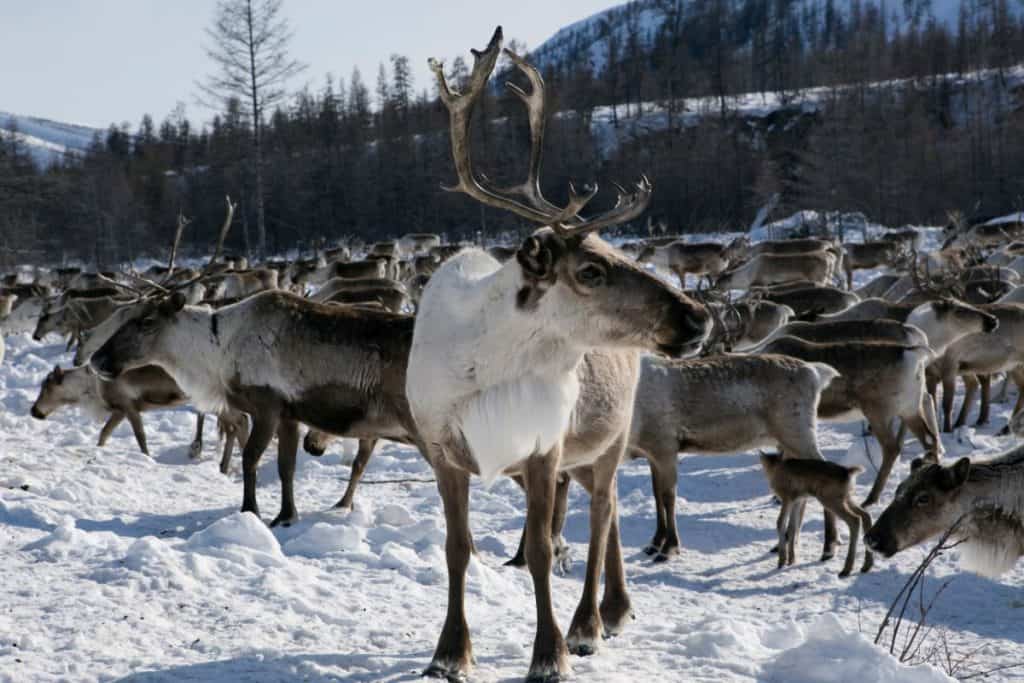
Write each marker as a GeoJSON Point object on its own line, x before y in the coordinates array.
{"type": "Point", "coordinates": [249, 44]}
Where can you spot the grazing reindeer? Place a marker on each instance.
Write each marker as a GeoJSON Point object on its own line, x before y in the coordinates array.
{"type": "Point", "coordinates": [493, 375]}
{"type": "Point", "coordinates": [832, 485]}
{"type": "Point", "coordinates": [721, 404]}
{"type": "Point", "coordinates": [707, 259]}
{"type": "Point", "coordinates": [879, 382]}
{"type": "Point", "coordinates": [998, 348]}
{"type": "Point", "coordinates": [869, 255]}
{"type": "Point", "coordinates": [130, 395]}
{"type": "Point", "coordinates": [771, 269]}
{"type": "Point", "coordinates": [983, 499]}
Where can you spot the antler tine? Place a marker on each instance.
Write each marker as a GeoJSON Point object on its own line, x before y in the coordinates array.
{"type": "Point", "coordinates": [627, 207]}
{"type": "Point", "coordinates": [120, 285]}
{"type": "Point", "coordinates": [224, 230]}
{"type": "Point", "coordinates": [179, 230]}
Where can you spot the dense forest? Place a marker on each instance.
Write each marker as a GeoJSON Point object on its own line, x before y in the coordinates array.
{"type": "Point", "coordinates": [905, 126]}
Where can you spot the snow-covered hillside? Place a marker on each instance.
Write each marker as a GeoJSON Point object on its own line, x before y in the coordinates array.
{"type": "Point", "coordinates": [122, 567]}
{"type": "Point", "coordinates": [48, 140]}
{"type": "Point", "coordinates": [591, 38]}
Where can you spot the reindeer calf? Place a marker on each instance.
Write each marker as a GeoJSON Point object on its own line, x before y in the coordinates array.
{"type": "Point", "coordinates": [794, 481]}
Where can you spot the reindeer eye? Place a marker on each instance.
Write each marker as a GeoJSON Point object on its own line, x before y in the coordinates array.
{"type": "Point", "coordinates": [922, 500]}
{"type": "Point", "coordinates": [590, 275]}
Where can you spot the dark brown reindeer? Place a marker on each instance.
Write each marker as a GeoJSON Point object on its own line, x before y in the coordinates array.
{"type": "Point", "coordinates": [494, 376]}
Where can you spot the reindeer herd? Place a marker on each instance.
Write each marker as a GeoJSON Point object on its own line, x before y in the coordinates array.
{"type": "Point", "coordinates": [558, 359]}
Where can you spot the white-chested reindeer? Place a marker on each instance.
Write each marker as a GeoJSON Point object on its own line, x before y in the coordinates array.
{"type": "Point", "coordinates": [493, 376]}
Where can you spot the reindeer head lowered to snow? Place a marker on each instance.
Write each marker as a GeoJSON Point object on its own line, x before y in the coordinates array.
{"type": "Point", "coordinates": [597, 295]}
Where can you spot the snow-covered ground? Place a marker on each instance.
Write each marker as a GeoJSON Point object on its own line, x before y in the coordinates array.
{"type": "Point", "coordinates": [121, 567]}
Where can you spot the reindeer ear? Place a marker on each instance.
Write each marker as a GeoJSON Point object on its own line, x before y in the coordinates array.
{"type": "Point", "coordinates": [536, 259]}
{"type": "Point", "coordinates": [58, 374]}
{"type": "Point", "coordinates": [955, 476]}
{"type": "Point", "coordinates": [916, 464]}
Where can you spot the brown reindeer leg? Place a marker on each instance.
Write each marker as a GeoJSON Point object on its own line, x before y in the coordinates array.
{"type": "Point", "coordinates": [586, 628]}
{"type": "Point", "coordinates": [236, 428]}
{"type": "Point", "coordinates": [116, 418]}
{"type": "Point", "coordinates": [196, 449]}
{"type": "Point", "coordinates": [519, 559]}
{"type": "Point", "coordinates": [890, 451]}
{"type": "Point", "coordinates": [540, 472]}
{"type": "Point", "coordinates": [590, 621]}
{"type": "Point", "coordinates": [454, 653]}
{"type": "Point", "coordinates": [986, 399]}
{"type": "Point", "coordinates": [366, 447]}
{"type": "Point", "coordinates": [562, 551]}
{"type": "Point", "coordinates": [659, 510]}
{"type": "Point", "coordinates": [263, 428]}
{"type": "Point", "coordinates": [865, 524]}
{"type": "Point", "coordinates": [135, 420]}
{"type": "Point", "coordinates": [561, 548]}
{"type": "Point", "coordinates": [970, 391]}
{"type": "Point", "coordinates": [667, 481]}
{"type": "Point", "coordinates": [948, 392]}
{"type": "Point", "coordinates": [853, 524]}
{"type": "Point", "coordinates": [782, 527]}
{"type": "Point", "coordinates": [616, 608]}
{"type": "Point", "coordinates": [287, 450]}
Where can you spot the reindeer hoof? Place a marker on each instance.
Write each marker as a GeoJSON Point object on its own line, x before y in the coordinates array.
{"type": "Point", "coordinates": [1005, 431]}
{"type": "Point", "coordinates": [551, 672]}
{"type": "Point", "coordinates": [438, 670]}
{"type": "Point", "coordinates": [651, 549]}
{"type": "Point", "coordinates": [827, 555]}
{"type": "Point", "coordinates": [281, 520]}
{"type": "Point", "coordinates": [195, 450]}
{"type": "Point", "coordinates": [582, 649]}
{"type": "Point", "coordinates": [845, 574]}
{"type": "Point", "coordinates": [614, 618]}
{"type": "Point", "coordinates": [869, 562]}
{"type": "Point", "coordinates": [517, 562]}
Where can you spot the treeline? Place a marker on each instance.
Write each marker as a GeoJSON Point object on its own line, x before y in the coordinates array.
{"type": "Point", "coordinates": [348, 159]}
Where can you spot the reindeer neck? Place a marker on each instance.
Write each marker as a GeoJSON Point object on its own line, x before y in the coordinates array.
{"type": "Point", "coordinates": [514, 341]}
{"type": "Point", "coordinates": [193, 353]}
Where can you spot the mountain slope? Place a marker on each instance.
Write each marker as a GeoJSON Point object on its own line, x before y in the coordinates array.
{"type": "Point", "coordinates": [592, 38]}
{"type": "Point", "coordinates": [48, 140]}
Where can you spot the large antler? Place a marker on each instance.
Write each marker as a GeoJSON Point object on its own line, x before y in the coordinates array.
{"type": "Point", "coordinates": [225, 228]}
{"type": "Point", "coordinates": [524, 200]}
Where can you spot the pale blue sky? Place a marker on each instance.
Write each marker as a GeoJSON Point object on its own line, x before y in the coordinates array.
{"type": "Point", "coordinates": [101, 61]}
